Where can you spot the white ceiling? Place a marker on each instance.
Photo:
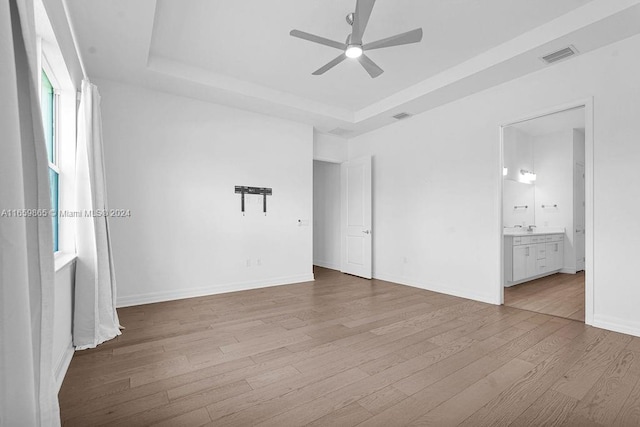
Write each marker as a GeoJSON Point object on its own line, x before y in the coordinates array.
{"type": "Point", "coordinates": [250, 40]}
{"type": "Point", "coordinates": [239, 53]}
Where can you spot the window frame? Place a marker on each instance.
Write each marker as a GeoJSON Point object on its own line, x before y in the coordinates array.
{"type": "Point", "coordinates": [54, 165]}
{"type": "Point", "coordinates": [50, 59]}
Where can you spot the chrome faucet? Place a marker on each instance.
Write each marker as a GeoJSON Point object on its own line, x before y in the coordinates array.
{"type": "Point", "coordinates": [530, 227]}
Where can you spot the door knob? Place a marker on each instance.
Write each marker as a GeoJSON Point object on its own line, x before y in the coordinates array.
{"type": "Point", "coordinates": [366, 231]}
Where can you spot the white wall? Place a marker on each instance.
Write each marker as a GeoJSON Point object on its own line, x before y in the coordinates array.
{"type": "Point", "coordinates": [63, 320]}
{"type": "Point", "coordinates": [437, 180]}
{"type": "Point", "coordinates": [329, 148]}
{"type": "Point", "coordinates": [174, 162]}
{"type": "Point", "coordinates": [326, 214]}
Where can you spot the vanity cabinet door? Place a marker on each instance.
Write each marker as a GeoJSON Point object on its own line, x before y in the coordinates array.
{"type": "Point", "coordinates": [555, 256]}
{"type": "Point", "coordinates": [524, 261]}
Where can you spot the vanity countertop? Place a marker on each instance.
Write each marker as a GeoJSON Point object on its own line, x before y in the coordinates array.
{"type": "Point", "coordinates": [517, 231]}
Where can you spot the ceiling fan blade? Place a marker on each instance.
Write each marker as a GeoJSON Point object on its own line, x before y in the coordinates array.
{"type": "Point", "coordinates": [361, 19]}
{"type": "Point", "coordinates": [371, 67]}
{"type": "Point", "coordinates": [330, 65]}
{"type": "Point", "coordinates": [317, 39]}
{"type": "Point", "coordinates": [413, 36]}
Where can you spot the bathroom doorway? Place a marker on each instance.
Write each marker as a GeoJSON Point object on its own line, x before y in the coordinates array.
{"type": "Point", "coordinates": [545, 161]}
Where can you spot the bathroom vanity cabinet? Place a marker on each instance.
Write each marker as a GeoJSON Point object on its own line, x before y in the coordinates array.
{"type": "Point", "coordinates": [530, 256]}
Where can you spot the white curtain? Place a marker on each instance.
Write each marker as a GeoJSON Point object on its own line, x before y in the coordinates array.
{"type": "Point", "coordinates": [27, 392]}
{"type": "Point", "coordinates": [95, 319]}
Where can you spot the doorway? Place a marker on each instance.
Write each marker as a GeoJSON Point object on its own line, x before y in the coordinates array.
{"type": "Point", "coordinates": [342, 212]}
{"type": "Point", "coordinates": [326, 215]}
{"type": "Point", "coordinates": [546, 211]}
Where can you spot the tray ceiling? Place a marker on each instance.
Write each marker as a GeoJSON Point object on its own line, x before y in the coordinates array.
{"type": "Point", "coordinates": [239, 53]}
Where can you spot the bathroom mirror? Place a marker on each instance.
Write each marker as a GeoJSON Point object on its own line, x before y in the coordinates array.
{"type": "Point", "coordinates": [540, 162]}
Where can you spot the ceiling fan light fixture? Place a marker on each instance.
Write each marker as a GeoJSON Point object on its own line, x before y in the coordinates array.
{"type": "Point", "coordinates": [354, 46]}
{"type": "Point", "coordinates": [353, 51]}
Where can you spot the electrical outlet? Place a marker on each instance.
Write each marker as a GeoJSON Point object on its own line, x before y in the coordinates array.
{"type": "Point", "coordinates": [258, 262]}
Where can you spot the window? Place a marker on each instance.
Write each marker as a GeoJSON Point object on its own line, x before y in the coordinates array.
{"type": "Point", "coordinates": [49, 106]}
{"type": "Point", "coordinates": [57, 92]}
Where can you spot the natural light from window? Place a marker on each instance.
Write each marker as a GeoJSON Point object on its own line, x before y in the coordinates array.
{"type": "Point", "coordinates": [48, 104]}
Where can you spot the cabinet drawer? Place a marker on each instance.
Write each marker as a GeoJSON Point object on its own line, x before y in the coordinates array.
{"type": "Point", "coordinates": [549, 238]}
{"type": "Point", "coordinates": [541, 251]}
{"type": "Point", "coordinates": [538, 238]}
{"type": "Point", "coordinates": [558, 238]}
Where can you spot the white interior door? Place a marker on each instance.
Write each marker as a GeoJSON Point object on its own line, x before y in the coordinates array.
{"type": "Point", "coordinates": [356, 217]}
{"type": "Point", "coordinates": [579, 215]}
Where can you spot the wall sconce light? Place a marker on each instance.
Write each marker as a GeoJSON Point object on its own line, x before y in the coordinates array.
{"type": "Point", "coordinates": [505, 171]}
{"type": "Point", "coordinates": [529, 176]}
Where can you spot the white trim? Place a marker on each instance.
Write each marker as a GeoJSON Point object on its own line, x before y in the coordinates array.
{"type": "Point", "coordinates": [153, 297]}
{"type": "Point", "coordinates": [500, 203]}
{"type": "Point", "coordinates": [329, 265]}
{"type": "Point", "coordinates": [54, 167]}
{"type": "Point", "coordinates": [48, 69]}
{"type": "Point", "coordinates": [63, 365]}
{"type": "Point", "coordinates": [589, 170]}
{"type": "Point", "coordinates": [434, 287]}
{"type": "Point", "coordinates": [616, 325]}
{"type": "Point", "coordinates": [63, 259]}
{"type": "Point", "coordinates": [587, 103]}
{"type": "Point", "coordinates": [328, 160]}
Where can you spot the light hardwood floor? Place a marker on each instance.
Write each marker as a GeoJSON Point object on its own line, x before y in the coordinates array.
{"type": "Point", "coordinates": [558, 295]}
{"type": "Point", "coordinates": [345, 351]}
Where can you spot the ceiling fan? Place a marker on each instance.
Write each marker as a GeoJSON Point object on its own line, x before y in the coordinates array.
{"type": "Point", "coordinates": [353, 47]}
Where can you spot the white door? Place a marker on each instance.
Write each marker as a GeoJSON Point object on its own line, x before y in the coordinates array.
{"type": "Point", "coordinates": [579, 215]}
{"type": "Point", "coordinates": [355, 181]}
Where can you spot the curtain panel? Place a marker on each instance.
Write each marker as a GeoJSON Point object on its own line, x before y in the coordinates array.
{"type": "Point", "coordinates": [95, 318]}
{"type": "Point", "coordinates": [27, 389]}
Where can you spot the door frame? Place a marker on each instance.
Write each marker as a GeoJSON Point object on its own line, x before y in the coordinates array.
{"type": "Point", "coordinates": [587, 104]}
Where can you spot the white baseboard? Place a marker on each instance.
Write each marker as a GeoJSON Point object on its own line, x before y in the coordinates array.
{"type": "Point", "coordinates": [436, 288]}
{"type": "Point", "coordinates": [616, 325]}
{"type": "Point", "coordinates": [63, 365]}
{"type": "Point", "coordinates": [329, 265]}
{"type": "Point", "coordinates": [153, 297]}
{"type": "Point", "coordinates": [567, 271]}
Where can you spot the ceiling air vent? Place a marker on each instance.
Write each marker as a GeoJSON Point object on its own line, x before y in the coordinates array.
{"type": "Point", "coordinates": [340, 132]}
{"type": "Point", "coordinates": [402, 116]}
{"type": "Point", "coordinates": [560, 55]}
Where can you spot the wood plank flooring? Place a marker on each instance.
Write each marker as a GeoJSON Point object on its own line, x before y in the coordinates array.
{"type": "Point", "coordinates": [345, 351]}
{"type": "Point", "coordinates": [559, 295]}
